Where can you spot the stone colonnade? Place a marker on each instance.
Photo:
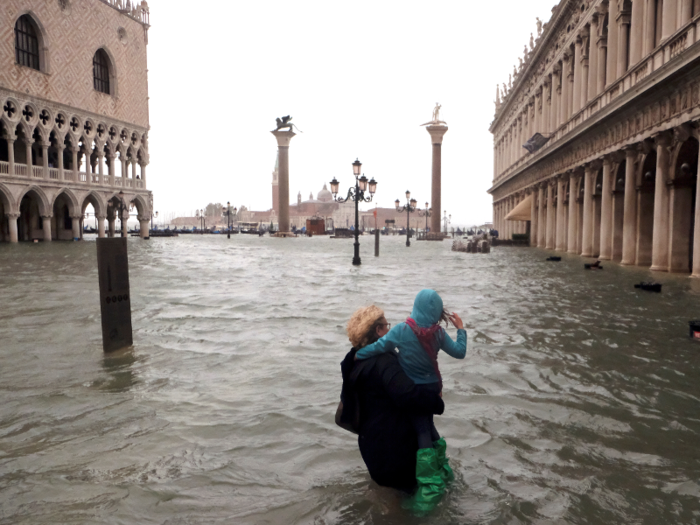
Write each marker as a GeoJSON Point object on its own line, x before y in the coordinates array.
{"type": "Point", "coordinates": [637, 206]}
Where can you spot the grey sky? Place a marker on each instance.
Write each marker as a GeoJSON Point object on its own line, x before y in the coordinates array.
{"type": "Point", "coordinates": [358, 77]}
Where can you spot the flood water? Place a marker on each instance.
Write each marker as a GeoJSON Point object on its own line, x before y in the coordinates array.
{"type": "Point", "coordinates": [578, 401]}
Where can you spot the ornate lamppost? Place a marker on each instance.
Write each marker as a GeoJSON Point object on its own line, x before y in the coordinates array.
{"type": "Point", "coordinates": [152, 217]}
{"type": "Point", "coordinates": [409, 208]}
{"type": "Point", "coordinates": [446, 220]}
{"type": "Point", "coordinates": [428, 212]}
{"type": "Point", "coordinates": [227, 213]}
{"type": "Point", "coordinates": [202, 221]}
{"type": "Point", "coordinates": [356, 194]}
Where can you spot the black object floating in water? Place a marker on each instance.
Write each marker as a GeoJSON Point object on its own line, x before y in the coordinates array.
{"type": "Point", "coordinates": [593, 266]}
{"type": "Point", "coordinates": [555, 259]}
{"type": "Point", "coordinates": [649, 287]}
{"type": "Point", "coordinates": [694, 329]}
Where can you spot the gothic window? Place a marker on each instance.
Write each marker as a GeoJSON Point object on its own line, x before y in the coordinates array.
{"type": "Point", "coordinates": [100, 71]}
{"type": "Point", "coordinates": [26, 43]}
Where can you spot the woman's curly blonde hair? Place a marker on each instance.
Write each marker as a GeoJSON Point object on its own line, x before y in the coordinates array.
{"type": "Point", "coordinates": [362, 326]}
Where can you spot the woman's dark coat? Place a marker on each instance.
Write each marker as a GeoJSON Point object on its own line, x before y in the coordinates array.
{"type": "Point", "coordinates": [386, 397]}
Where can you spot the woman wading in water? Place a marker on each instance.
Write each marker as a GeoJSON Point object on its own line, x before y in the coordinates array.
{"type": "Point", "coordinates": [384, 405]}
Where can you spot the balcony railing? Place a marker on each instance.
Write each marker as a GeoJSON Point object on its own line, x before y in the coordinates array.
{"type": "Point", "coordinates": [674, 46]}
{"type": "Point", "coordinates": [21, 171]}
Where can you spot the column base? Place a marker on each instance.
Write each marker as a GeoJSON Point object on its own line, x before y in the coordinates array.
{"type": "Point", "coordinates": [434, 236]}
{"type": "Point", "coordinates": [281, 235]}
{"type": "Point", "coordinates": [605, 258]}
{"type": "Point", "coordinates": [659, 268]}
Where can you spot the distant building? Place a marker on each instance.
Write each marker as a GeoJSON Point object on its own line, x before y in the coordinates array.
{"type": "Point", "coordinates": [73, 115]}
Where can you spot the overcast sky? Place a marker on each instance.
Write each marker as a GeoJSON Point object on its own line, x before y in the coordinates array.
{"type": "Point", "coordinates": [359, 78]}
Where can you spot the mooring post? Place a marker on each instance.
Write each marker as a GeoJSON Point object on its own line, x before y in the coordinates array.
{"type": "Point", "coordinates": [376, 242]}
{"type": "Point", "coordinates": [115, 301]}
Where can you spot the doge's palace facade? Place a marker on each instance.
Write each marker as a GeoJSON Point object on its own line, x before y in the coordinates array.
{"type": "Point", "coordinates": [615, 87]}
{"type": "Point", "coordinates": [74, 116]}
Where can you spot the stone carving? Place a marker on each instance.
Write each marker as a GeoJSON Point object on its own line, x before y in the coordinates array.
{"type": "Point", "coordinates": [286, 122]}
{"type": "Point", "coordinates": [539, 27]}
{"type": "Point", "coordinates": [532, 42]}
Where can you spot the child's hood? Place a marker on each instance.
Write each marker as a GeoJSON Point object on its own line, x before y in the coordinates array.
{"type": "Point", "coordinates": [427, 308]}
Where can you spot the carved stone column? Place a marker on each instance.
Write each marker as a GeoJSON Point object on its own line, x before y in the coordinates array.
{"type": "Point", "coordinates": [76, 171]}
{"type": "Point", "coordinates": [533, 217]}
{"type": "Point", "coordinates": [45, 158]}
{"type": "Point", "coordinates": [556, 98]}
{"type": "Point", "coordinates": [572, 224]}
{"type": "Point", "coordinates": [565, 87]}
{"type": "Point", "coordinates": [143, 174]}
{"type": "Point", "coordinates": [649, 26]}
{"type": "Point", "coordinates": [144, 227]}
{"type": "Point", "coordinates": [546, 105]}
{"type": "Point", "coordinates": [637, 30]}
{"type": "Point", "coordinates": [561, 215]}
{"type": "Point", "coordinates": [283, 140]}
{"type": "Point", "coordinates": [28, 152]}
{"type": "Point", "coordinates": [613, 33]}
{"type": "Point", "coordinates": [541, 220]}
{"type": "Point", "coordinates": [551, 224]}
{"type": "Point", "coordinates": [668, 18]}
{"type": "Point", "coordinates": [686, 11]}
{"type": "Point", "coordinates": [60, 146]}
{"type": "Point", "coordinates": [100, 225]}
{"type": "Point", "coordinates": [659, 250]}
{"type": "Point", "coordinates": [46, 226]}
{"type": "Point", "coordinates": [76, 227]}
{"type": "Point", "coordinates": [578, 76]}
{"type": "Point", "coordinates": [111, 157]}
{"type": "Point", "coordinates": [623, 26]}
{"type": "Point", "coordinates": [606, 223]}
{"type": "Point", "coordinates": [602, 65]}
{"type": "Point", "coordinates": [88, 165]}
{"type": "Point", "coordinates": [583, 65]}
{"type": "Point", "coordinates": [11, 155]}
{"type": "Point", "coordinates": [588, 183]}
{"type": "Point", "coordinates": [437, 132]}
{"type": "Point", "coordinates": [593, 58]}
{"type": "Point", "coordinates": [12, 224]}
{"type": "Point", "coordinates": [629, 221]}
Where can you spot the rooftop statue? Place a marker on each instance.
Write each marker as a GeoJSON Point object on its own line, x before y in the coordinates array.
{"type": "Point", "coordinates": [436, 117]}
{"type": "Point", "coordinates": [539, 27]}
{"type": "Point", "coordinates": [286, 122]}
{"type": "Point", "coordinates": [532, 42]}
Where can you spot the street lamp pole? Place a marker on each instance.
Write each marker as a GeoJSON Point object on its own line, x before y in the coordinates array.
{"type": "Point", "coordinates": [152, 216]}
{"type": "Point", "coordinates": [409, 208]}
{"type": "Point", "coordinates": [427, 213]}
{"type": "Point", "coordinates": [228, 220]}
{"type": "Point", "coordinates": [356, 194]}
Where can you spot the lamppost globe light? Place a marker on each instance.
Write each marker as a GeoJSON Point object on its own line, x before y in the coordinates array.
{"type": "Point", "coordinates": [228, 204]}
{"type": "Point", "coordinates": [408, 195]}
{"type": "Point", "coordinates": [426, 205]}
{"type": "Point", "coordinates": [356, 167]}
{"type": "Point", "coordinates": [334, 187]}
{"type": "Point", "coordinates": [363, 183]}
{"type": "Point", "coordinates": [414, 202]}
{"type": "Point", "coordinates": [398, 203]}
{"type": "Point", "coordinates": [372, 186]}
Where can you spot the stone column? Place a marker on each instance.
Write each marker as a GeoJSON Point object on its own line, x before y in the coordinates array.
{"type": "Point", "coordinates": [623, 26]}
{"type": "Point", "coordinates": [533, 218]}
{"type": "Point", "coordinates": [541, 220]}
{"type": "Point", "coordinates": [613, 38]}
{"type": "Point", "coordinates": [564, 99]}
{"type": "Point", "coordinates": [602, 61]}
{"type": "Point", "coordinates": [561, 215]}
{"type": "Point", "coordinates": [101, 225]}
{"type": "Point", "coordinates": [110, 159]}
{"type": "Point", "coordinates": [636, 32]}
{"type": "Point", "coordinates": [88, 166]}
{"type": "Point", "coordinates": [46, 226]}
{"type": "Point", "coordinates": [686, 11]}
{"type": "Point", "coordinates": [45, 158]}
{"type": "Point", "coordinates": [670, 12]}
{"type": "Point", "coordinates": [629, 221]}
{"type": "Point", "coordinates": [112, 226]}
{"type": "Point", "coordinates": [588, 182]}
{"type": "Point", "coordinates": [556, 93]}
{"type": "Point", "coordinates": [606, 221]}
{"type": "Point", "coordinates": [573, 216]}
{"type": "Point", "coordinates": [144, 228]}
{"type": "Point", "coordinates": [659, 250]}
{"type": "Point", "coordinates": [283, 140]}
{"type": "Point", "coordinates": [60, 146]}
{"type": "Point", "coordinates": [11, 155]}
{"type": "Point", "coordinates": [546, 105]}
{"type": "Point", "coordinates": [593, 58]}
{"type": "Point", "coordinates": [76, 227]}
{"type": "Point", "coordinates": [76, 168]}
{"type": "Point", "coordinates": [28, 151]}
{"type": "Point", "coordinates": [550, 230]}
{"type": "Point", "coordinates": [578, 81]}
{"type": "Point", "coordinates": [649, 26]}
{"type": "Point", "coordinates": [12, 224]}
{"type": "Point", "coordinates": [436, 134]}
{"type": "Point", "coordinates": [585, 52]}
{"type": "Point", "coordinates": [143, 174]}
{"type": "Point", "coordinates": [125, 174]}
{"type": "Point", "coordinates": [100, 164]}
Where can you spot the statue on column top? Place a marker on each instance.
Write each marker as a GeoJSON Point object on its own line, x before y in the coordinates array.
{"type": "Point", "coordinates": [436, 117]}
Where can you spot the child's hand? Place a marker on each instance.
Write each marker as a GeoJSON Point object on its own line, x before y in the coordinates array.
{"type": "Point", "coordinates": [456, 320]}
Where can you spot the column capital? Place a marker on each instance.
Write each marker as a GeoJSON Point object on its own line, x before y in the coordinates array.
{"type": "Point", "coordinates": [437, 133]}
{"type": "Point", "coordinates": [10, 137]}
{"type": "Point", "coordinates": [45, 144]}
{"type": "Point", "coordinates": [663, 138]}
{"type": "Point", "coordinates": [12, 215]}
{"type": "Point", "coordinates": [594, 165]}
{"type": "Point", "coordinates": [47, 216]}
{"type": "Point", "coordinates": [283, 138]}
{"type": "Point", "coordinates": [76, 217]}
